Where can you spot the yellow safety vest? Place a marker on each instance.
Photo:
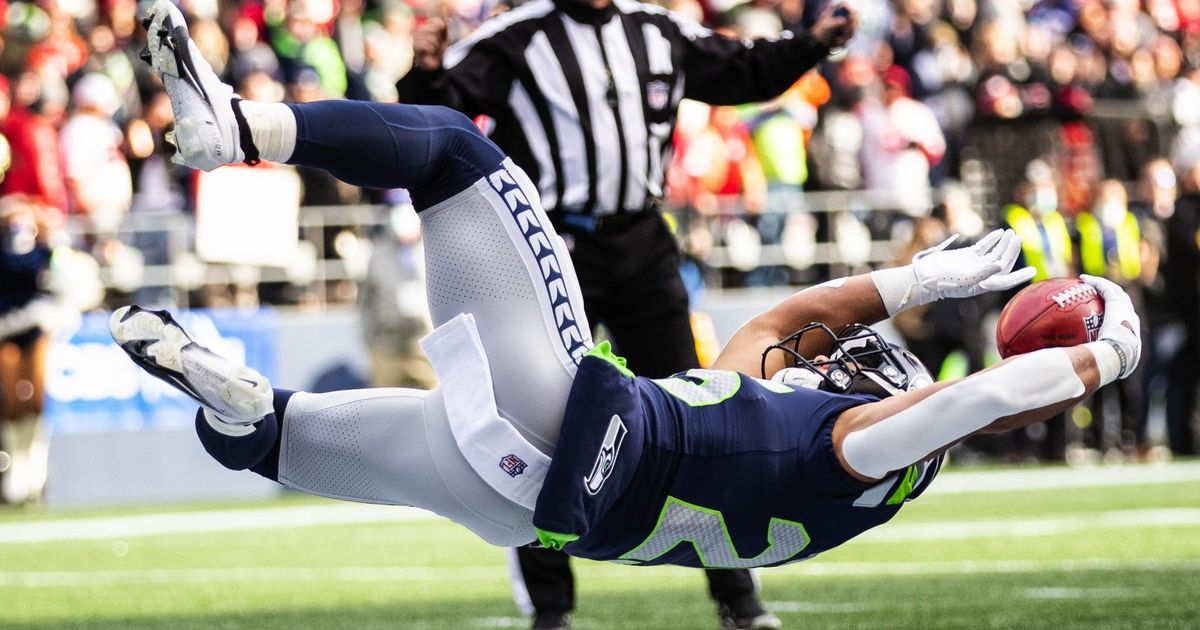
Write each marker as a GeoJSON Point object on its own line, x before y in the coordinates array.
{"type": "Point", "coordinates": [1026, 227]}
{"type": "Point", "coordinates": [1091, 246]}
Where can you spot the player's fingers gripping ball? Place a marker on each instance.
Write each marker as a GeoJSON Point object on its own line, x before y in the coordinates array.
{"type": "Point", "coordinates": [1121, 325]}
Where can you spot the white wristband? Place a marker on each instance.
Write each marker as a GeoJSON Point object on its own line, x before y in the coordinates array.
{"type": "Point", "coordinates": [897, 287]}
{"type": "Point", "coordinates": [1109, 360]}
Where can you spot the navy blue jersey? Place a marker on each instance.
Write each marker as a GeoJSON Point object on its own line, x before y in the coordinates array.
{"type": "Point", "coordinates": [707, 468]}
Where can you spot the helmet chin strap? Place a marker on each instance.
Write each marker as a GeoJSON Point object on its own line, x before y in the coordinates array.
{"type": "Point", "coordinates": [880, 382]}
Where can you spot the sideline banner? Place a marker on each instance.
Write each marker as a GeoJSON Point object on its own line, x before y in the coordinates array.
{"type": "Point", "coordinates": [92, 387]}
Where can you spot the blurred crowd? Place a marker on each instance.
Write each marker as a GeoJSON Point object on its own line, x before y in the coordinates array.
{"type": "Point", "coordinates": [1076, 122]}
{"type": "Point", "coordinates": [929, 96]}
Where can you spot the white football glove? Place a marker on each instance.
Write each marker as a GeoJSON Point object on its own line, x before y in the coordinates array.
{"type": "Point", "coordinates": [969, 271]}
{"type": "Point", "coordinates": [1121, 327]}
{"type": "Point", "coordinates": [938, 273]}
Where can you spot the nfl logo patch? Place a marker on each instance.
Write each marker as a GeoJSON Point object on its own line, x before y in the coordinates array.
{"type": "Point", "coordinates": [657, 94]}
{"type": "Point", "coordinates": [1092, 324]}
{"type": "Point", "coordinates": [512, 465]}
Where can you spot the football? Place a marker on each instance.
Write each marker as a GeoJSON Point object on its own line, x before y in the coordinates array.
{"type": "Point", "coordinates": [1049, 314]}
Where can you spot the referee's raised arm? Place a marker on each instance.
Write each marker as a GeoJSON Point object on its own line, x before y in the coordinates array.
{"type": "Point", "coordinates": [725, 71]}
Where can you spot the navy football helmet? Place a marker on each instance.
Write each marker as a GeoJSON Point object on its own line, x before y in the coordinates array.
{"type": "Point", "coordinates": [860, 362]}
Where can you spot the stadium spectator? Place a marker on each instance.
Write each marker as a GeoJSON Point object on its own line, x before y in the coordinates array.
{"type": "Point", "coordinates": [1157, 192]}
{"type": "Point", "coordinates": [116, 63]}
{"type": "Point", "coordinates": [392, 304]}
{"type": "Point", "coordinates": [1183, 285]}
{"type": "Point", "coordinates": [1110, 245]}
{"type": "Point", "coordinates": [781, 130]}
{"type": "Point", "coordinates": [300, 38]}
{"type": "Point", "coordinates": [388, 50]}
{"type": "Point", "coordinates": [901, 142]}
{"type": "Point", "coordinates": [1045, 235]}
{"type": "Point", "coordinates": [249, 54]}
{"type": "Point", "coordinates": [98, 176]}
{"type": "Point", "coordinates": [62, 52]}
{"type": "Point", "coordinates": [37, 168]}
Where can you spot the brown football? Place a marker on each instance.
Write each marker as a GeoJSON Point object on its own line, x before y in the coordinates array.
{"type": "Point", "coordinates": [1049, 314]}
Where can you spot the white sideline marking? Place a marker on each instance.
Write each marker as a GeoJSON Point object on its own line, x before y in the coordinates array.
{"type": "Point", "coordinates": [500, 622]}
{"type": "Point", "coordinates": [104, 528]}
{"type": "Point", "coordinates": [1079, 593]}
{"type": "Point", "coordinates": [972, 567]}
{"type": "Point", "coordinates": [1025, 528]}
{"type": "Point", "coordinates": [817, 607]}
{"type": "Point", "coordinates": [1051, 478]}
{"type": "Point", "coordinates": [248, 519]}
{"type": "Point", "coordinates": [55, 579]}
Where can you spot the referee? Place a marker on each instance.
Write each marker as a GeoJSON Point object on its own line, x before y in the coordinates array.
{"type": "Point", "coordinates": [583, 95]}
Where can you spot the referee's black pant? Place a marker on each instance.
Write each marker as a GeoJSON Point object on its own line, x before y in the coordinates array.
{"type": "Point", "coordinates": [628, 268]}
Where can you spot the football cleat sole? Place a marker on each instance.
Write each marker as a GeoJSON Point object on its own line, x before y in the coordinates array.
{"type": "Point", "coordinates": [160, 346]}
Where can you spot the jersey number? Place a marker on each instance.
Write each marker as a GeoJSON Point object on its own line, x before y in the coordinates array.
{"type": "Point", "coordinates": [705, 529]}
{"type": "Point", "coordinates": [700, 388]}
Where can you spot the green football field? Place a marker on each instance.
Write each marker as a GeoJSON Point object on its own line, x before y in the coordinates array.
{"type": "Point", "coordinates": [1111, 547]}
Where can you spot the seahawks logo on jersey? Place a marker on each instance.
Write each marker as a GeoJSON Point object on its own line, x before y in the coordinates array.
{"type": "Point", "coordinates": [607, 455]}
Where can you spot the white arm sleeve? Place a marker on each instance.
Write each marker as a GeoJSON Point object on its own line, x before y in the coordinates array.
{"type": "Point", "coordinates": [1031, 381]}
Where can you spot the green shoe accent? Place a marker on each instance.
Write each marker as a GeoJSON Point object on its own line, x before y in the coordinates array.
{"type": "Point", "coordinates": [905, 488]}
{"type": "Point", "coordinates": [603, 350]}
{"type": "Point", "coordinates": [554, 540]}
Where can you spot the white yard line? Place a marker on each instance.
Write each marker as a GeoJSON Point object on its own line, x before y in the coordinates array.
{"type": "Point", "coordinates": [1058, 592]}
{"type": "Point", "coordinates": [246, 519]}
{"type": "Point", "coordinates": [818, 607]}
{"type": "Point", "coordinates": [971, 567]}
{"type": "Point", "coordinates": [58, 579]}
{"type": "Point", "coordinates": [1052, 478]}
{"type": "Point", "coordinates": [1025, 528]}
{"type": "Point", "coordinates": [249, 519]}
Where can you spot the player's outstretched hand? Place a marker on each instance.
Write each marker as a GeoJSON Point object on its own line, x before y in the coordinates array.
{"type": "Point", "coordinates": [969, 271]}
{"type": "Point", "coordinates": [1121, 326]}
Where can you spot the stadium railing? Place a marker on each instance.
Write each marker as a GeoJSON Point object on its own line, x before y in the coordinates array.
{"type": "Point", "coordinates": [165, 253]}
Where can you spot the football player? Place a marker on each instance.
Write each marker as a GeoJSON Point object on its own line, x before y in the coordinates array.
{"type": "Point", "coordinates": [537, 434]}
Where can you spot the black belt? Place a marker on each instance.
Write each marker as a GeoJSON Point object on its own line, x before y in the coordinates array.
{"type": "Point", "coordinates": [591, 224]}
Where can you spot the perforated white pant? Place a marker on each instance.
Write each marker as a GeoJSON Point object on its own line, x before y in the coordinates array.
{"type": "Point", "coordinates": [491, 252]}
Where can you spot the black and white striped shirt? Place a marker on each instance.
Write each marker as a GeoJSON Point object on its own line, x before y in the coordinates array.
{"type": "Point", "coordinates": [584, 99]}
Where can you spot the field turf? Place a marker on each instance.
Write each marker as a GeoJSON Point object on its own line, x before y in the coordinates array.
{"type": "Point", "coordinates": [1110, 548]}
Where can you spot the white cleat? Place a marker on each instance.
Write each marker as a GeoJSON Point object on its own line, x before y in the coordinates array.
{"type": "Point", "coordinates": [206, 130]}
{"type": "Point", "coordinates": [157, 344]}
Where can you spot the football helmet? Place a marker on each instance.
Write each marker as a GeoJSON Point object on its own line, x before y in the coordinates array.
{"type": "Point", "coordinates": [861, 361]}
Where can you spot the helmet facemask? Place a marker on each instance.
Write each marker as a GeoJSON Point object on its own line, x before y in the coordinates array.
{"type": "Point", "coordinates": [860, 361]}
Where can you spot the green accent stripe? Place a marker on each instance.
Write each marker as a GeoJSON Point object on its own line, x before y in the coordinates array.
{"type": "Point", "coordinates": [554, 540]}
{"type": "Point", "coordinates": [603, 350]}
{"type": "Point", "coordinates": [906, 486]}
